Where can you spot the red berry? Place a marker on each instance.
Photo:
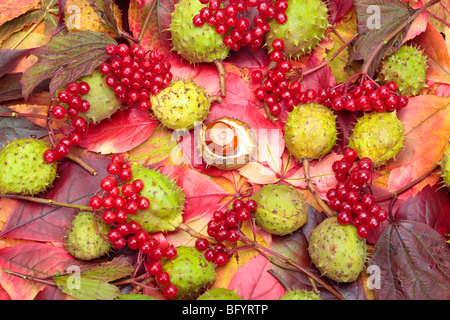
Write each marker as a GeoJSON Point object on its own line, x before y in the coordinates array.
{"type": "Point", "coordinates": [50, 156]}
{"type": "Point", "coordinates": [210, 254]}
{"type": "Point", "coordinates": [344, 217]}
{"type": "Point", "coordinates": [170, 290]}
{"type": "Point", "coordinates": [281, 17]}
{"type": "Point", "coordinates": [155, 268]}
{"type": "Point", "coordinates": [111, 49]}
{"type": "Point", "coordinates": [251, 205]}
{"type": "Point", "coordinates": [109, 216]}
{"type": "Point", "coordinates": [198, 20]}
{"type": "Point", "coordinates": [163, 278]}
{"type": "Point", "coordinates": [221, 258]}
{"type": "Point", "coordinates": [362, 231]}
{"type": "Point", "coordinates": [201, 244]}
{"type": "Point", "coordinates": [58, 112]}
{"type": "Point", "coordinates": [133, 243]}
{"type": "Point", "coordinates": [170, 252]}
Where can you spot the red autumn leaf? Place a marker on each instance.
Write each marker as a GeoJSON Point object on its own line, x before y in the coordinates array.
{"type": "Point", "coordinates": [13, 9]}
{"type": "Point", "coordinates": [125, 130]}
{"type": "Point", "coordinates": [254, 282]}
{"type": "Point", "coordinates": [41, 222]}
{"type": "Point", "coordinates": [202, 194]}
{"type": "Point", "coordinates": [426, 125]}
{"type": "Point", "coordinates": [434, 47]}
{"type": "Point", "coordinates": [32, 259]}
{"type": "Point", "coordinates": [430, 206]}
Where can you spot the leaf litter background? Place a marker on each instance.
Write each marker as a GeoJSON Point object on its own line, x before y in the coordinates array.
{"type": "Point", "coordinates": [411, 251]}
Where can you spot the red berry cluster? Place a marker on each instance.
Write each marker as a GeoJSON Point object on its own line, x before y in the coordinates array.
{"type": "Point", "coordinates": [72, 97]}
{"type": "Point", "coordinates": [120, 198]}
{"type": "Point", "coordinates": [224, 226]}
{"type": "Point", "coordinates": [134, 74]}
{"type": "Point", "coordinates": [369, 96]}
{"type": "Point", "coordinates": [276, 89]}
{"type": "Point", "coordinates": [233, 20]}
{"type": "Point", "coordinates": [350, 197]}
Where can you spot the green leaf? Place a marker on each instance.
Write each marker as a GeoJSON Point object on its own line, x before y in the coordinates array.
{"type": "Point", "coordinates": [90, 281]}
{"type": "Point", "coordinates": [134, 297]}
{"type": "Point", "coordinates": [382, 25]}
{"type": "Point", "coordinates": [66, 58]}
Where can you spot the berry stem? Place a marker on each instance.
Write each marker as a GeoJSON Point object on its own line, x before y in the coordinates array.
{"type": "Point", "coordinates": [29, 277]}
{"type": "Point", "coordinates": [14, 114]}
{"type": "Point", "coordinates": [439, 19]}
{"type": "Point", "coordinates": [367, 64]}
{"type": "Point", "coordinates": [323, 64]}
{"type": "Point", "coordinates": [83, 164]}
{"type": "Point", "coordinates": [215, 98]}
{"type": "Point", "coordinates": [328, 211]}
{"type": "Point", "coordinates": [221, 69]}
{"type": "Point", "coordinates": [408, 186]}
{"type": "Point", "coordinates": [146, 21]}
{"type": "Point", "coordinates": [295, 267]}
{"type": "Point", "coordinates": [47, 201]}
{"type": "Point", "coordinates": [194, 233]}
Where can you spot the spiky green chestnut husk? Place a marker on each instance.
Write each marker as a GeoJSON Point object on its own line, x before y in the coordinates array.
{"type": "Point", "coordinates": [281, 209]}
{"type": "Point", "coordinates": [190, 272]}
{"type": "Point", "coordinates": [181, 105]}
{"type": "Point", "coordinates": [102, 98]}
{"type": "Point", "coordinates": [300, 295]}
{"type": "Point", "coordinates": [407, 67]}
{"type": "Point", "coordinates": [306, 23]}
{"type": "Point", "coordinates": [220, 294]}
{"type": "Point", "coordinates": [337, 250]}
{"type": "Point", "coordinates": [166, 200]}
{"type": "Point", "coordinates": [445, 167]}
{"type": "Point", "coordinates": [378, 136]}
{"type": "Point", "coordinates": [195, 44]}
{"type": "Point", "coordinates": [23, 169]}
{"type": "Point", "coordinates": [310, 131]}
{"type": "Point", "coordinates": [84, 238]}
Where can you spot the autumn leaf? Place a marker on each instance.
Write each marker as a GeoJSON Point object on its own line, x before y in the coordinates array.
{"type": "Point", "coordinates": [434, 47]}
{"type": "Point", "coordinates": [382, 26]}
{"type": "Point", "coordinates": [125, 130]}
{"type": "Point", "coordinates": [426, 125]}
{"type": "Point", "coordinates": [13, 9]}
{"type": "Point", "coordinates": [413, 262]}
{"type": "Point", "coordinates": [32, 259]}
{"type": "Point", "coordinates": [92, 281]}
{"type": "Point", "coordinates": [66, 58]}
{"type": "Point", "coordinates": [18, 128]}
{"type": "Point", "coordinates": [42, 222]}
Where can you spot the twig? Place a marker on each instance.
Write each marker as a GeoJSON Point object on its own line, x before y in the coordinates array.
{"type": "Point", "coordinates": [146, 21]}
{"type": "Point", "coordinates": [261, 249]}
{"type": "Point", "coordinates": [323, 64]}
{"type": "Point", "coordinates": [195, 234]}
{"type": "Point", "coordinates": [407, 186]}
{"type": "Point", "coordinates": [28, 277]}
{"type": "Point", "coordinates": [46, 201]}
{"type": "Point", "coordinates": [82, 163]}
{"type": "Point", "coordinates": [328, 211]}
{"type": "Point", "coordinates": [439, 19]}
{"type": "Point", "coordinates": [221, 69]}
{"type": "Point", "coordinates": [395, 33]}
{"type": "Point", "coordinates": [215, 98]}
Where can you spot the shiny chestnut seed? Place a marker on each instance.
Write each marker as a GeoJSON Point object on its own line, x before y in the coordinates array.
{"type": "Point", "coordinates": [221, 138]}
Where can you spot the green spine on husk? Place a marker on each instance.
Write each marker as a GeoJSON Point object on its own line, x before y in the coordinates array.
{"type": "Point", "coordinates": [23, 169]}
{"type": "Point", "coordinates": [166, 200]}
{"type": "Point", "coordinates": [378, 136]}
{"type": "Point", "coordinates": [407, 67]}
{"type": "Point", "coordinates": [310, 131]}
{"type": "Point", "coordinates": [195, 44]}
{"type": "Point", "coordinates": [307, 21]}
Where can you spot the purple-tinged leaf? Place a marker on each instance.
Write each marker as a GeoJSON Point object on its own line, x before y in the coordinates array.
{"type": "Point", "coordinates": [9, 58]}
{"type": "Point", "coordinates": [66, 58]}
